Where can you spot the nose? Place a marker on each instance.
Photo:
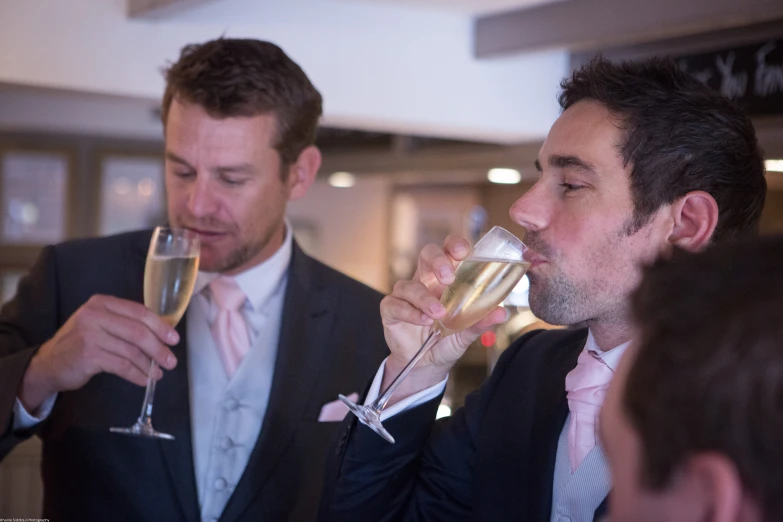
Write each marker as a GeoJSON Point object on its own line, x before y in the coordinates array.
{"type": "Point", "coordinates": [533, 209]}
{"type": "Point", "coordinates": [202, 200]}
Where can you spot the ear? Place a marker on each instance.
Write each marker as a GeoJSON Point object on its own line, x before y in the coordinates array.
{"type": "Point", "coordinates": [716, 484]}
{"type": "Point", "coordinates": [695, 217]}
{"type": "Point", "coordinates": [301, 174]}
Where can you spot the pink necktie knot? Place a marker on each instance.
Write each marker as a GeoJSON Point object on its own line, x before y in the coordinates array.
{"type": "Point", "coordinates": [229, 328]}
{"type": "Point", "coordinates": [227, 294]}
{"type": "Point", "coordinates": [586, 386]}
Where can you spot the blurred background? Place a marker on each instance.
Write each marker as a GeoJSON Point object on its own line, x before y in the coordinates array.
{"type": "Point", "coordinates": [434, 113]}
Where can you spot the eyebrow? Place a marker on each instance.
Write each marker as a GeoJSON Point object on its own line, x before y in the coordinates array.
{"type": "Point", "coordinates": [567, 162]}
{"type": "Point", "coordinates": [176, 159]}
{"type": "Point", "coordinates": [242, 168]}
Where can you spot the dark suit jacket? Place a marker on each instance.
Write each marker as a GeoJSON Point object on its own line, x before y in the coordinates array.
{"type": "Point", "coordinates": [331, 339]}
{"type": "Point", "coordinates": [493, 460]}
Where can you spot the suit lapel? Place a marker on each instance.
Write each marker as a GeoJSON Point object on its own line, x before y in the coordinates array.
{"type": "Point", "coordinates": [307, 319]}
{"type": "Point", "coordinates": [171, 412]}
{"type": "Point", "coordinates": [601, 511]}
{"type": "Point", "coordinates": [515, 464]}
{"type": "Point", "coordinates": [551, 410]}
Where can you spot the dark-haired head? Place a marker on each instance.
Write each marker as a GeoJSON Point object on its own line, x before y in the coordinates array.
{"type": "Point", "coordinates": [694, 419]}
{"type": "Point", "coordinates": [643, 159]}
{"type": "Point", "coordinates": [240, 120]}
{"type": "Point", "coordinates": [678, 136]}
{"type": "Point", "coordinates": [244, 77]}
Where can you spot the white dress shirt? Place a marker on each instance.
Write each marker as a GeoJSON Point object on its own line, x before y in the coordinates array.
{"type": "Point", "coordinates": [408, 402]}
{"type": "Point", "coordinates": [24, 420]}
{"type": "Point", "coordinates": [227, 415]}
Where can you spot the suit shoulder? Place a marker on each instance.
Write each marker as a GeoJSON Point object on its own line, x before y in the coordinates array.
{"type": "Point", "coordinates": [84, 259]}
{"type": "Point", "coordinates": [544, 338]}
{"type": "Point", "coordinates": [105, 245]}
{"type": "Point", "coordinates": [542, 342]}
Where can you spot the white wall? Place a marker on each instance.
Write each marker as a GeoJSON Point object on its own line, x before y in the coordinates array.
{"type": "Point", "coordinates": [72, 112]}
{"type": "Point", "coordinates": [383, 67]}
{"type": "Point", "coordinates": [352, 227]}
{"type": "Point", "coordinates": [474, 7]}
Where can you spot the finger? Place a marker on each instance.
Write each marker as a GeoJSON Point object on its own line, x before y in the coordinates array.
{"type": "Point", "coordinates": [133, 310]}
{"type": "Point", "coordinates": [122, 348]}
{"type": "Point", "coordinates": [435, 265]}
{"type": "Point", "coordinates": [497, 316]}
{"type": "Point", "coordinates": [139, 335]}
{"type": "Point", "coordinates": [457, 247]}
{"type": "Point", "coordinates": [394, 310]}
{"type": "Point", "coordinates": [122, 368]}
{"type": "Point", "coordinates": [469, 335]}
{"type": "Point", "coordinates": [420, 297]}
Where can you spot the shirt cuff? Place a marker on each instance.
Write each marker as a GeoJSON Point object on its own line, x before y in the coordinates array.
{"type": "Point", "coordinates": [23, 420]}
{"type": "Point", "coordinates": [407, 403]}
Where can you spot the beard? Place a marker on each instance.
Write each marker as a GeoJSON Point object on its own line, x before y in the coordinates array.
{"type": "Point", "coordinates": [561, 299]}
{"type": "Point", "coordinates": [244, 252]}
{"type": "Point", "coordinates": [237, 257]}
{"type": "Point", "coordinates": [555, 298]}
{"type": "Point", "coordinates": [558, 300]}
{"type": "Point", "coordinates": [223, 260]}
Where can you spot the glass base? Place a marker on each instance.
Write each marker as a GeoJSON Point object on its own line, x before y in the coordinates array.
{"type": "Point", "coordinates": [368, 416]}
{"type": "Point", "coordinates": [142, 430]}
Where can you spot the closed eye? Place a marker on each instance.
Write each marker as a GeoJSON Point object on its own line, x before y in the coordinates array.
{"type": "Point", "coordinates": [232, 182]}
{"type": "Point", "coordinates": [567, 187]}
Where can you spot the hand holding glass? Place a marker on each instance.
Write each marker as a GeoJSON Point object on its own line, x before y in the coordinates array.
{"type": "Point", "coordinates": [481, 282]}
{"type": "Point", "coordinates": [169, 277]}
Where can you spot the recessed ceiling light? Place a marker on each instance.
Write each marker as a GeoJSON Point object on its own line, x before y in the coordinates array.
{"type": "Point", "coordinates": [342, 179]}
{"type": "Point", "coordinates": [505, 176]}
{"type": "Point", "coordinates": [774, 165]}
{"type": "Point", "coordinates": [443, 411]}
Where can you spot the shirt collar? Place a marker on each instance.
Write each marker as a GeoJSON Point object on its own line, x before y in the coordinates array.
{"type": "Point", "coordinates": [610, 357]}
{"type": "Point", "coordinates": [258, 282]}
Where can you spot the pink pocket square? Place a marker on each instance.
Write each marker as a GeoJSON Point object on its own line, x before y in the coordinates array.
{"type": "Point", "coordinates": [336, 411]}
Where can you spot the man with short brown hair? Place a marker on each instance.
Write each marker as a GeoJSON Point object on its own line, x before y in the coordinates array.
{"type": "Point", "coordinates": [693, 421]}
{"type": "Point", "coordinates": [270, 337]}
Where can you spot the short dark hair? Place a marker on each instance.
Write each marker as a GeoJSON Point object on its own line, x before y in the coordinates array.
{"type": "Point", "coordinates": [679, 136]}
{"type": "Point", "coordinates": [708, 373]}
{"type": "Point", "coordinates": [244, 77]}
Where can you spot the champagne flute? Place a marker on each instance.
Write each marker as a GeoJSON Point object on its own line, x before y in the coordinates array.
{"type": "Point", "coordinates": [481, 282]}
{"type": "Point", "coordinates": [169, 277]}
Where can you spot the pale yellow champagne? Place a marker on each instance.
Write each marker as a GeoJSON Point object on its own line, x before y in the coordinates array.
{"type": "Point", "coordinates": [479, 286]}
{"type": "Point", "coordinates": [168, 284]}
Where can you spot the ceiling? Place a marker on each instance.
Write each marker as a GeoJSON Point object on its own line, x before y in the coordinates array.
{"type": "Point", "coordinates": [473, 7]}
{"type": "Point", "coordinates": [394, 67]}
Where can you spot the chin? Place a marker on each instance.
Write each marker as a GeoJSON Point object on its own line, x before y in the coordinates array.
{"type": "Point", "coordinates": [207, 267]}
{"type": "Point", "coordinates": [210, 264]}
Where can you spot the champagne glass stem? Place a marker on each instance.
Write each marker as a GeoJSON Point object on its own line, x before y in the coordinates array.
{"type": "Point", "coordinates": [432, 339]}
{"type": "Point", "coordinates": [146, 407]}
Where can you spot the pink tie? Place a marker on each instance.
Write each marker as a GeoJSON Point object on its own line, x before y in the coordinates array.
{"type": "Point", "coordinates": [586, 386]}
{"type": "Point", "coordinates": [229, 329]}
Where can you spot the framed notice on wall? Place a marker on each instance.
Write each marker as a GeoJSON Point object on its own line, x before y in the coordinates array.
{"type": "Point", "coordinates": [132, 193]}
{"type": "Point", "coordinates": [34, 188]}
{"type": "Point", "coordinates": [9, 280]}
{"type": "Point", "coordinates": [751, 75]}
